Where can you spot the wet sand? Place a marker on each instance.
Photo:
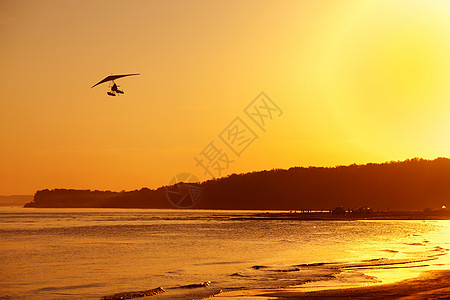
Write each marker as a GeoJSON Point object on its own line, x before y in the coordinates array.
{"type": "Point", "coordinates": [429, 285]}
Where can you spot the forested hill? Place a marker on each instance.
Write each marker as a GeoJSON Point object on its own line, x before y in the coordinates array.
{"type": "Point", "coordinates": [414, 184]}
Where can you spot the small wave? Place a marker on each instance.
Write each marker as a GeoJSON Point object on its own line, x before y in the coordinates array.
{"type": "Point", "coordinates": [256, 267]}
{"type": "Point", "coordinates": [390, 251]}
{"type": "Point", "coordinates": [313, 264]}
{"type": "Point", "coordinates": [195, 285]}
{"type": "Point", "coordinates": [286, 241]}
{"type": "Point", "coordinates": [221, 263]}
{"type": "Point", "coordinates": [239, 275]}
{"type": "Point", "coordinates": [439, 248]}
{"type": "Point", "coordinates": [376, 259]}
{"type": "Point", "coordinates": [69, 287]}
{"type": "Point", "coordinates": [176, 272]}
{"type": "Point", "coordinates": [287, 270]}
{"type": "Point", "coordinates": [402, 266]}
{"type": "Point", "coordinates": [132, 295]}
{"type": "Point", "coordinates": [415, 244]}
{"type": "Point", "coordinates": [384, 262]}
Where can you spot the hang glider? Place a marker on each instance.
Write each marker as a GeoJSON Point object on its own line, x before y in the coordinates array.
{"type": "Point", "coordinates": [112, 85]}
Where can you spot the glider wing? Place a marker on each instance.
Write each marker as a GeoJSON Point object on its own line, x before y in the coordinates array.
{"type": "Point", "coordinates": [113, 77]}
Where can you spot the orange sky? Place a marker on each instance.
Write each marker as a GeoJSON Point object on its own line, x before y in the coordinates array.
{"type": "Point", "coordinates": [357, 82]}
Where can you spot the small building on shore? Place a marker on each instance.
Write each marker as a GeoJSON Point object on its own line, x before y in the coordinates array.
{"type": "Point", "coordinates": [338, 211]}
{"type": "Point", "coordinates": [364, 210]}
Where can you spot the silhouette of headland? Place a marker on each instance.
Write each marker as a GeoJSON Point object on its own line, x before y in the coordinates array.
{"type": "Point", "coordinates": [411, 185]}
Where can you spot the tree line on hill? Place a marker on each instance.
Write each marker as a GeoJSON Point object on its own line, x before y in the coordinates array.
{"type": "Point", "coordinates": [414, 184]}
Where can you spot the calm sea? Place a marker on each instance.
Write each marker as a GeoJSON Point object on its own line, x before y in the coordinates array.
{"type": "Point", "coordinates": [90, 253]}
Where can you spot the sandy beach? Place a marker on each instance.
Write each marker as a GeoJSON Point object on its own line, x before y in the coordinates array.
{"type": "Point", "coordinates": [429, 285]}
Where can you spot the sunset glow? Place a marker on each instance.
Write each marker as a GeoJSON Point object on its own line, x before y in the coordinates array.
{"type": "Point", "coordinates": [357, 82]}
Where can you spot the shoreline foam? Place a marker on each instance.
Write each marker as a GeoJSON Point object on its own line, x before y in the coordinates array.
{"type": "Point", "coordinates": [429, 284]}
{"type": "Point", "coordinates": [421, 281]}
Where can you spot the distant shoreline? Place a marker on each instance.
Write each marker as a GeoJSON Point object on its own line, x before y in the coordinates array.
{"type": "Point", "coordinates": [443, 214]}
{"type": "Point", "coordinates": [328, 216]}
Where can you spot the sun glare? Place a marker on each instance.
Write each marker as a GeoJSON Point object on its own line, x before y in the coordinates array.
{"type": "Point", "coordinates": [389, 80]}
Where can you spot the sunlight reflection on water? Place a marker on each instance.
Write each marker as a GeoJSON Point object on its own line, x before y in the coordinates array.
{"type": "Point", "coordinates": [89, 253]}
